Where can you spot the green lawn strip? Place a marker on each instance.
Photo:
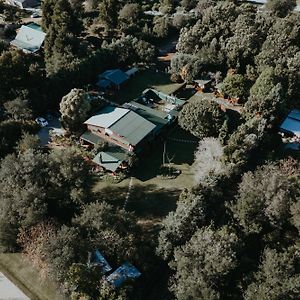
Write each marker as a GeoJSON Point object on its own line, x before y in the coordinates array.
{"type": "Point", "coordinates": [27, 278]}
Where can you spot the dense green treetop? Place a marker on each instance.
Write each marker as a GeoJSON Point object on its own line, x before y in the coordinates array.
{"type": "Point", "coordinates": [203, 118]}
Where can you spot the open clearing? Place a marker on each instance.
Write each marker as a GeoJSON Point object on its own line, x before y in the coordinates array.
{"type": "Point", "coordinates": [153, 197]}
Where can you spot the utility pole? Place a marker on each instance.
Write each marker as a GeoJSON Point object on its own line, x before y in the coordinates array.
{"type": "Point", "coordinates": [164, 153]}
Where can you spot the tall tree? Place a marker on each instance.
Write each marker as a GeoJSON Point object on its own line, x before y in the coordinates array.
{"type": "Point", "coordinates": [63, 27]}
{"type": "Point", "coordinates": [108, 13]}
{"type": "Point", "coordinates": [74, 109]}
{"type": "Point", "coordinates": [281, 7]}
{"type": "Point", "coordinates": [278, 276]}
{"type": "Point", "coordinates": [22, 193]}
{"type": "Point", "coordinates": [236, 86]}
{"type": "Point", "coordinates": [208, 163]}
{"type": "Point", "coordinates": [264, 199]}
{"type": "Point", "coordinates": [244, 141]}
{"type": "Point", "coordinates": [111, 230]}
{"type": "Point", "coordinates": [203, 265]}
{"type": "Point", "coordinates": [266, 98]}
{"type": "Point", "coordinates": [203, 118]}
{"type": "Point", "coordinates": [35, 186]}
{"type": "Point", "coordinates": [18, 109]}
{"type": "Point", "coordinates": [130, 15]}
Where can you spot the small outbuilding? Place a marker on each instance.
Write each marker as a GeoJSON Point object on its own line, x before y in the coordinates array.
{"type": "Point", "coordinates": [202, 85]}
{"type": "Point", "coordinates": [112, 159]}
{"type": "Point", "coordinates": [291, 125]}
{"type": "Point", "coordinates": [112, 79]}
{"type": "Point", "coordinates": [30, 38]}
{"type": "Point", "coordinates": [23, 4]}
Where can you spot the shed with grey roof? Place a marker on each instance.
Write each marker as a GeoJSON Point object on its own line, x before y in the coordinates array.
{"type": "Point", "coordinates": [29, 38]}
{"type": "Point", "coordinates": [115, 77]}
{"type": "Point", "coordinates": [125, 272]}
{"type": "Point", "coordinates": [23, 4]}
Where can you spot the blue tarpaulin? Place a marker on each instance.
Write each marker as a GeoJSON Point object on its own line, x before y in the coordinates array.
{"type": "Point", "coordinates": [99, 260]}
{"type": "Point", "coordinates": [123, 273]}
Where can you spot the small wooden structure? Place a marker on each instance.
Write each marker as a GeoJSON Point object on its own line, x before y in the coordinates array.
{"type": "Point", "coordinates": [202, 85]}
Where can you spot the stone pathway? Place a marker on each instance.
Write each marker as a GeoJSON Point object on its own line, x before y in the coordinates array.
{"type": "Point", "coordinates": [130, 188]}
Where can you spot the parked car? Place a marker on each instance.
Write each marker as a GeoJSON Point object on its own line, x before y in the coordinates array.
{"type": "Point", "coordinates": [41, 121]}
{"type": "Point", "coordinates": [35, 15]}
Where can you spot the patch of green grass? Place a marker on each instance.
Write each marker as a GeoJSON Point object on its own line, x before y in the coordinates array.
{"type": "Point", "coordinates": [152, 202]}
{"type": "Point", "coordinates": [138, 83]}
{"type": "Point", "coordinates": [27, 278]}
{"type": "Point", "coordinates": [179, 153]}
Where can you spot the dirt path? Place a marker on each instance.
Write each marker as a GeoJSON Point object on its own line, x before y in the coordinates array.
{"type": "Point", "coordinates": [130, 188]}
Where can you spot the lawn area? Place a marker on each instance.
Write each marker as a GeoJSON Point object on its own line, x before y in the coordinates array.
{"type": "Point", "coordinates": [27, 278]}
{"type": "Point", "coordinates": [138, 83]}
{"type": "Point", "coordinates": [152, 197]}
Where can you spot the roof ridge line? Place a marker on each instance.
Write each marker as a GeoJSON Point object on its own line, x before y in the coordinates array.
{"type": "Point", "coordinates": [128, 110]}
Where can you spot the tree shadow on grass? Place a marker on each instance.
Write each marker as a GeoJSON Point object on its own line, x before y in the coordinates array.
{"type": "Point", "coordinates": [147, 201]}
{"type": "Point", "coordinates": [176, 152]}
{"type": "Point", "coordinates": [114, 195]}
{"type": "Point", "coordinates": [152, 202]}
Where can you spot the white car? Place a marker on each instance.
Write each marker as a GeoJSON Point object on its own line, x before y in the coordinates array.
{"type": "Point", "coordinates": [41, 121]}
{"type": "Point", "coordinates": [35, 15]}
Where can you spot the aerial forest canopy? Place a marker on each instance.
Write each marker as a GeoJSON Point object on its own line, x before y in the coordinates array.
{"type": "Point", "coordinates": [243, 206]}
{"type": "Point", "coordinates": [234, 233]}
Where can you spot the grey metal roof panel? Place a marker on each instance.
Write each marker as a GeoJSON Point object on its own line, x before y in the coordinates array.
{"type": "Point", "coordinates": [24, 46]}
{"type": "Point", "coordinates": [29, 39]}
{"type": "Point", "coordinates": [107, 116]}
{"type": "Point", "coordinates": [132, 127]}
{"type": "Point", "coordinates": [90, 138]}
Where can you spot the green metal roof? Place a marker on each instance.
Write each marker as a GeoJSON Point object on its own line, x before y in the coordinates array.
{"type": "Point", "coordinates": [158, 118]}
{"type": "Point", "coordinates": [117, 152]}
{"type": "Point", "coordinates": [91, 138]}
{"type": "Point", "coordinates": [110, 159]}
{"type": "Point", "coordinates": [35, 26]}
{"type": "Point", "coordinates": [169, 89]}
{"type": "Point", "coordinates": [107, 161]}
{"type": "Point", "coordinates": [162, 96]}
{"type": "Point", "coordinates": [132, 127]}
